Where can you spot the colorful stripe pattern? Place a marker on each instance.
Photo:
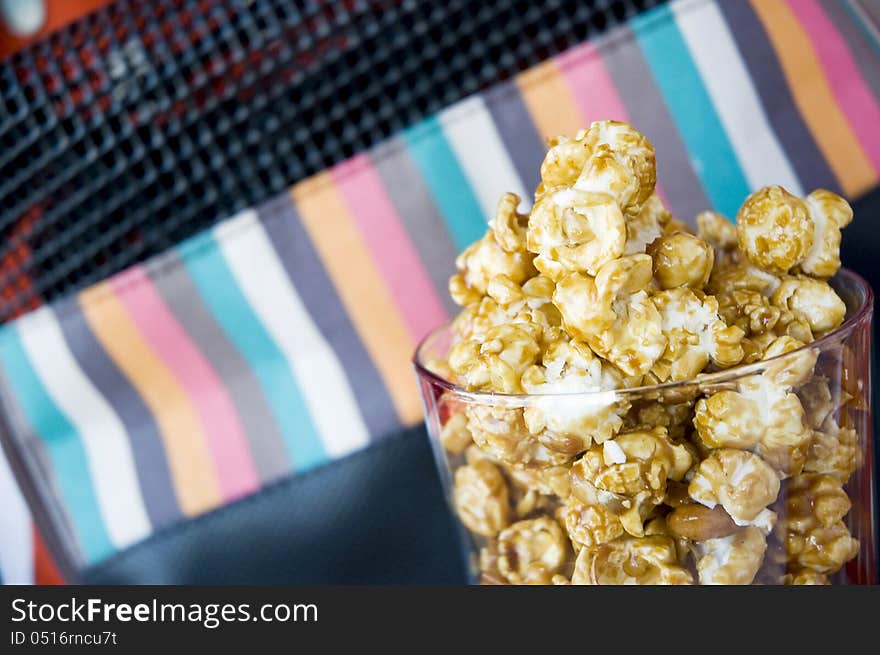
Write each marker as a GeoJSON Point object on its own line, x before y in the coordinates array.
{"type": "Point", "coordinates": [280, 339]}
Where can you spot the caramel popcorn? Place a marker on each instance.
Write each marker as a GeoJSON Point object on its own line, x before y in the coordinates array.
{"type": "Point", "coordinates": [614, 314]}
{"type": "Point", "coordinates": [563, 474]}
{"type": "Point", "coordinates": [774, 229]}
{"type": "Point", "coordinates": [681, 259]}
{"type": "Point", "coordinates": [741, 482]}
{"type": "Point", "coordinates": [502, 433]}
{"type": "Point", "coordinates": [481, 497]}
{"type": "Point", "coordinates": [695, 335]}
{"type": "Point", "coordinates": [498, 362]}
{"type": "Point", "coordinates": [532, 551]}
{"type": "Point", "coordinates": [589, 525]}
{"type": "Point", "coordinates": [813, 301]}
{"type": "Point", "coordinates": [561, 420]}
{"type": "Point", "coordinates": [627, 475]}
{"type": "Point", "coordinates": [731, 560]}
{"type": "Point", "coordinates": [574, 231]}
{"type": "Point", "coordinates": [829, 213]}
{"type": "Point", "coordinates": [631, 561]}
{"type": "Point", "coordinates": [642, 229]}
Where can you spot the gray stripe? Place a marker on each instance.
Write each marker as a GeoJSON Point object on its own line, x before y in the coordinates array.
{"type": "Point", "coordinates": [266, 443]}
{"type": "Point", "coordinates": [518, 133]}
{"type": "Point", "coordinates": [769, 80]}
{"type": "Point", "coordinates": [283, 224]}
{"type": "Point", "coordinates": [30, 450]}
{"type": "Point", "coordinates": [419, 214]}
{"type": "Point", "coordinates": [648, 112]}
{"type": "Point", "coordinates": [150, 460]}
{"type": "Point", "coordinates": [862, 50]}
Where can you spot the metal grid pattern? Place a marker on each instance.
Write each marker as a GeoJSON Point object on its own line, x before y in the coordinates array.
{"type": "Point", "coordinates": [147, 121]}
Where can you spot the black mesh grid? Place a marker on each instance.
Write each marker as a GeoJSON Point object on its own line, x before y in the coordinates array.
{"type": "Point", "coordinates": [145, 122]}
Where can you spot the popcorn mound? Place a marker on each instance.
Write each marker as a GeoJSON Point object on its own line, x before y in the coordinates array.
{"type": "Point", "coordinates": [601, 289]}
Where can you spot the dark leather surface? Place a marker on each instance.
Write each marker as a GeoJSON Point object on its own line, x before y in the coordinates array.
{"type": "Point", "coordinates": [378, 516]}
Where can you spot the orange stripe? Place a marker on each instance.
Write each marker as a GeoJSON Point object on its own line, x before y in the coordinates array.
{"type": "Point", "coordinates": [814, 98]}
{"type": "Point", "coordinates": [370, 306]}
{"type": "Point", "coordinates": [549, 100]}
{"type": "Point", "coordinates": [188, 458]}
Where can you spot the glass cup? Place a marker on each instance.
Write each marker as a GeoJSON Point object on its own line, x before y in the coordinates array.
{"type": "Point", "coordinates": [786, 495]}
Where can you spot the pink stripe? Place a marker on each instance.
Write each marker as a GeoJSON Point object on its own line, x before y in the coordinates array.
{"type": "Point", "coordinates": [852, 93]}
{"type": "Point", "coordinates": [226, 439]}
{"type": "Point", "coordinates": [391, 248]}
{"type": "Point", "coordinates": [593, 89]}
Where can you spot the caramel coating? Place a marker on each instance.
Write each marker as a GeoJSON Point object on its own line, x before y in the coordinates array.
{"type": "Point", "coordinates": [741, 482]}
{"type": "Point", "coordinates": [631, 561]}
{"type": "Point", "coordinates": [532, 551]}
{"type": "Point", "coordinates": [774, 229]}
{"type": "Point", "coordinates": [681, 259]}
{"type": "Point", "coordinates": [481, 497]}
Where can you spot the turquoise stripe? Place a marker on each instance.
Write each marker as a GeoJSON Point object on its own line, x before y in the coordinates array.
{"type": "Point", "coordinates": [215, 283]}
{"type": "Point", "coordinates": [62, 443]}
{"type": "Point", "coordinates": [449, 187]}
{"type": "Point", "coordinates": [689, 103]}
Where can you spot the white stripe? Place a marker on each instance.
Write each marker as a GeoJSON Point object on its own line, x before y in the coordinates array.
{"type": "Point", "coordinates": [108, 452]}
{"type": "Point", "coordinates": [716, 56]}
{"type": "Point", "coordinates": [264, 282]}
{"type": "Point", "coordinates": [474, 139]}
{"type": "Point", "coordinates": [16, 536]}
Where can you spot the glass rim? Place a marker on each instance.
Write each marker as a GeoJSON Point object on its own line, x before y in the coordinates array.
{"type": "Point", "coordinates": [703, 379]}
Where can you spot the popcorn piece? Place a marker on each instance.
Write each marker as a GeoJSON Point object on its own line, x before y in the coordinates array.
{"type": "Point", "coordinates": [741, 482]}
{"type": "Point", "coordinates": [509, 226]}
{"type": "Point", "coordinates": [731, 560]}
{"type": "Point", "coordinates": [502, 434]}
{"type": "Point", "coordinates": [795, 369]}
{"type": "Point", "coordinates": [455, 435]}
{"type": "Point", "coordinates": [699, 523]}
{"type": "Point", "coordinates": [681, 259]}
{"type": "Point", "coordinates": [486, 258]}
{"type": "Point", "coordinates": [677, 418]}
{"type": "Point", "coordinates": [805, 577]}
{"type": "Point", "coordinates": [834, 451]}
{"type": "Point", "coordinates": [774, 229]}
{"type": "Point", "coordinates": [720, 233]}
{"type": "Point", "coordinates": [817, 401]}
{"type": "Point", "coordinates": [762, 416]}
{"type": "Point", "coordinates": [695, 335]}
{"type": "Point", "coordinates": [741, 276]}
{"type": "Point", "coordinates": [548, 481]}
{"type": "Point", "coordinates": [649, 224]}
{"type": "Point", "coordinates": [476, 319]}
{"type": "Point", "coordinates": [813, 301]}
{"type": "Point", "coordinates": [823, 549]}
{"type": "Point", "coordinates": [564, 162]}
{"type": "Point", "coordinates": [629, 477]}
{"type": "Point", "coordinates": [621, 164]}
{"type": "Point", "coordinates": [749, 310]}
{"type": "Point", "coordinates": [589, 525]}
{"type": "Point", "coordinates": [812, 501]}
{"type": "Point", "coordinates": [496, 364]}
{"type": "Point", "coordinates": [481, 498]}
{"type": "Point", "coordinates": [614, 314]}
{"type": "Point", "coordinates": [575, 231]}
{"type": "Point", "coordinates": [532, 551]}
{"type": "Point", "coordinates": [829, 213]}
{"type": "Point", "coordinates": [631, 561]}
{"type": "Point", "coordinates": [561, 420]}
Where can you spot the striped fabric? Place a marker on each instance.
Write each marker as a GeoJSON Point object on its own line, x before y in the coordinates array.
{"type": "Point", "coordinates": [281, 339]}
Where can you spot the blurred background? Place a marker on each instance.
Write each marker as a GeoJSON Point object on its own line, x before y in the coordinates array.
{"type": "Point", "coordinates": [217, 215]}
